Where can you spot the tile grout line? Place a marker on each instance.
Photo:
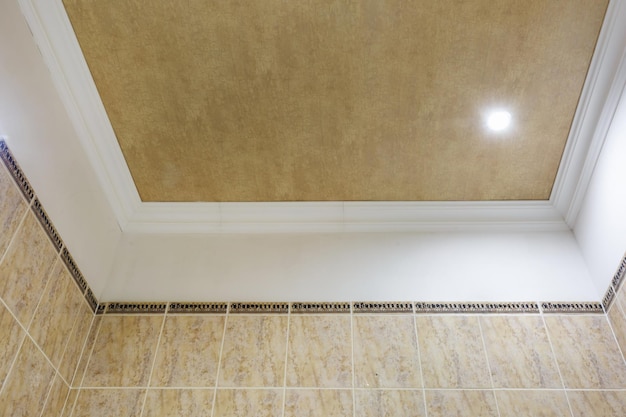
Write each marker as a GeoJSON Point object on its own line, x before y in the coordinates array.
{"type": "Point", "coordinates": [352, 357]}
{"type": "Point", "coordinates": [419, 360]}
{"type": "Point", "coordinates": [615, 304]}
{"type": "Point", "coordinates": [558, 367]}
{"type": "Point", "coordinates": [219, 359]}
{"type": "Point", "coordinates": [156, 353]}
{"type": "Point", "coordinates": [17, 229]}
{"type": "Point", "coordinates": [286, 359]}
{"type": "Point", "coordinates": [82, 349]}
{"type": "Point", "coordinates": [493, 388]}
{"type": "Point", "coordinates": [45, 403]}
{"type": "Point", "coordinates": [311, 388]}
{"type": "Point", "coordinates": [82, 379]}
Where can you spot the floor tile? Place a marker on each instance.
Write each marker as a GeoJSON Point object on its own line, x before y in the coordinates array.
{"type": "Point", "coordinates": [318, 403]}
{"type": "Point", "coordinates": [11, 335]}
{"type": "Point", "coordinates": [109, 403]}
{"type": "Point", "coordinates": [598, 403]}
{"type": "Point", "coordinates": [248, 402]}
{"type": "Point", "coordinates": [179, 402]}
{"type": "Point", "coordinates": [460, 403]}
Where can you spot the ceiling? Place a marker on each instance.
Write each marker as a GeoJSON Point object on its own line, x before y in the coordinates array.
{"type": "Point", "coordinates": [216, 101]}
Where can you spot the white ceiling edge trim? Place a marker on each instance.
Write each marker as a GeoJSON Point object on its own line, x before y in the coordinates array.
{"type": "Point", "coordinates": [597, 104]}
{"type": "Point", "coordinates": [57, 42]}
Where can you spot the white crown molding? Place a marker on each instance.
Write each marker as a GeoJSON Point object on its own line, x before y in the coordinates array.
{"type": "Point", "coordinates": [55, 37]}
{"type": "Point", "coordinates": [598, 102]}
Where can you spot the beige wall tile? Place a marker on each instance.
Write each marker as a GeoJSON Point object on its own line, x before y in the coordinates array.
{"type": "Point", "coordinates": [12, 208]}
{"type": "Point", "coordinates": [28, 383]}
{"type": "Point", "coordinates": [598, 403]}
{"type": "Point", "coordinates": [179, 402]}
{"type": "Point", "coordinates": [318, 403]}
{"type": "Point", "coordinates": [455, 403]}
{"type": "Point", "coordinates": [189, 351]}
{"type": "Point", "coordinates": [76, 342]}
{"type": "Point", "coordinates": [519, 352]}
{"type": "Point", "coordinates": [11, 336]}
{"type": "Point", "coordinates": [320, 352]}
{"type": "Point", "coordinates": [254, 351]}
{"type": "Point", "coordinates": [69, 403]}
{"type": "Point", "coordinates": [620, 297]}
{"type": "Point", "coordinates": [25, 269]}
{"type": "Point", "coordinates": [248, 402]}
{"type": "Point", "coordinates": [89, 345]}
{"type": "Point", "coordinates": [56, 398]}
{"type": "Point", "coordinates": [527, 403]}
{"type": "Point", "coordinates": [586, 351]}
{"type": "Point", "coordinates": [618, 323]}
{"type": "Point", "coordinates": [56, 313]}
{"type": "Point", "coordinates": [452, 352]}
{"type": "Point", "coordinates": [123, 351]}
{"type": "Point", "coordinates": [385, 352]}
{"type": "Point", "coordinates": [389, 403]}
{"type": "Point", "coordinates": [109, 403]}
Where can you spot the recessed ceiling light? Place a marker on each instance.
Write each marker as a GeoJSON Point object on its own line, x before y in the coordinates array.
{"type": "Point", "coordinates": [498, 120]}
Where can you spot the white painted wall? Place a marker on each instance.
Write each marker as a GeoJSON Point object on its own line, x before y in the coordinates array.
{"type": "Point", "coordinates": [601, 225]}
{"type": "Point", "coordinates": [41, 136]}
{"type": "Point", "coordinates": [334, 267]}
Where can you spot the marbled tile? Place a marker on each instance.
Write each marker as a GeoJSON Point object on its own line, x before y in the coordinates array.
{"type": "Point", "coordinates": [385, 352]}
{"type": "Point", "coordinates": [189, 351]}
{"type": "Point", "coordinates": [123, 352]}
{"type": "Point", "coordinates": [618, 323]}
{"type": "Point", "coordinates": [519, 352]}
{"type": "Point", "coordinates": [179, 402]}
{"type": "Point", "coordinates": [109, 403]}
{"type": "Point", "coordinates": [25, 269]}
{"type": "Point", "coordinates": [389, 403]}
{"type": "Point", "coordinates": [318, 403]}
{"type": "Point", "coordinates": [586, 351]}
{"type": "Point", "coordinates": [248, 402]}
{"type": "Point", "coordinates": [527, 403]}
{"type": "Point", "coordinates": [76, 342]}
{"type": "Point", "coordinates": [12, 208]}
{"type": "Point", "coordinates": [11, 336]}
{"type": "Point", "coordinates": [620, 297]}
{"type": "Point", "coordinates": [597, 403]}
{"type": "Point", "coordinates": [454, 403]}
{"type": "Point", "coordinates": [87, 350]}
{"type": "Point", "coordinates": [320, 352]}
{"type": "Point", "coordinates": [452, 352]}
{"type": "Point", "coordinates": [56, 398]}
{"type": "Point", "coordinates": [55, 315]}
{"type": "Point", "coordinates": [26, 387]}
{"type": "Point", "coordinates": [254, 351]}
{"type": "Point", "coordinates": [69, 402]}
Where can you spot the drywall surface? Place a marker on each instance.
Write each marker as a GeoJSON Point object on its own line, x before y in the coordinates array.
{"type": "Point", "coordinates": [601, 225]}
{"type": "Point", "coordinates": [43, 141]}
{"type": "Point", "coordinates": [338, 267]}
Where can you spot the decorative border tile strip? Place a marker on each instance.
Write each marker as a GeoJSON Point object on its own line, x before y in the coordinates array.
{"type": "Point", "coordinates": [382, 307]}
{"type": "Point", "coordinates": [47, 224]}
{"type": "Point", "coordinates": [591, 307]}
{"type": "Point", "coordinates": [101, 308]}
{"type": "Point", "coordinates": [136, 308]}
{"type": "Point", "coordinates": [619, 275]}
{"type": "Point", "coordinates": [91, 300]}
{"type": "Point", "coordinates": [259, 308]}
{"type": "Point", "coordinates": [523, 307]}
{"type": "Point", "coordinates": [608, 298]}
{"type": "Point", "coordinates": [16, 171]}
{"type": "Point", "coordinates": [74, 271]}
{"type": "Point", "coordinates": [316, 308]}
{"type": "Point", "coordinates": [197, 308]}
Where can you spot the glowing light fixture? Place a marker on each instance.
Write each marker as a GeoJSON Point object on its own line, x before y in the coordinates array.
{"type": "Point", "coordinates": [498, 120]}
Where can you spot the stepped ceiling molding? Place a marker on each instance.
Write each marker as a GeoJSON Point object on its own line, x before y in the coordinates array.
{"type": "Point", "coordinates": [337, 116]}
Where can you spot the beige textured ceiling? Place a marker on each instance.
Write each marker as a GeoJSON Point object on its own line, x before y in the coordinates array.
{"type": "Point", "coordinates": [338, 100]}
